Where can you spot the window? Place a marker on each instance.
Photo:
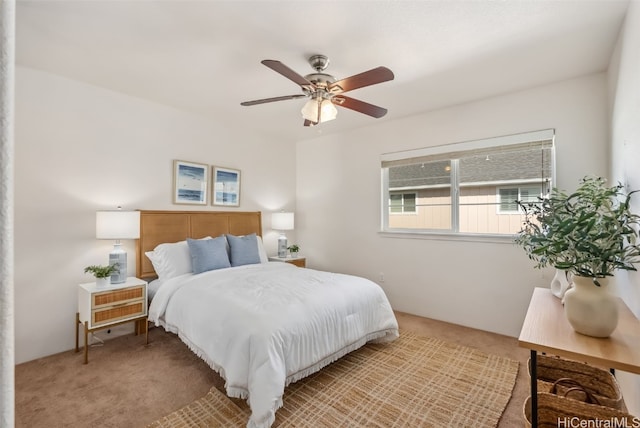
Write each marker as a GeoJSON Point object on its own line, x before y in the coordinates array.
{"type": "Point", "coordinates": [402, 203]}
{"type": "Point", "coordinates": [469, 188]}
{"type": "Point", "coordinates": [507, 197]}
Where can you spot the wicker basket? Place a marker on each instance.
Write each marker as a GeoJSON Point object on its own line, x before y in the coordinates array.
{"type": "Point", "coordinates": [556, 411]}
{"type": "Point", "coordinates": [599, 383]}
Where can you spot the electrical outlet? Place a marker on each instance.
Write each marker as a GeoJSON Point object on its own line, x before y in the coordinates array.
{"type": "Point", "coordinates": [120, 330]}
{"type": "Point", "coordinates": [381, 276]}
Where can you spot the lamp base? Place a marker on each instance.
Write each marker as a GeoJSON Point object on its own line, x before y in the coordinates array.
{"type": "Point", "coordinates": [119, 256]}
{"type": "Point", "coordinates": [282, 246]}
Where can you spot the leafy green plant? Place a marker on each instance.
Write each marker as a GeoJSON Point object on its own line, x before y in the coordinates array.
{"type": "Point", "coordinates": [589, 233]}
{"type": "Point", "coordinates": [102, 271]}
{"type": "Point", "coordinates": [294, 248]}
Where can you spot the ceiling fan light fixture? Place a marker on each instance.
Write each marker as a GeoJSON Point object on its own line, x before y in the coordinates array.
{"type": "Point", "coordinates": [325, 92]}
{"type": "Point", "coordinates": [327, 110]}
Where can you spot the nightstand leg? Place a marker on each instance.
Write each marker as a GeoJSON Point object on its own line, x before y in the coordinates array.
{"type": "Point", "coordinates": [534, 388]}
{"type": "Point", "coordinates": [86, 342]}
{"type": "Point", "coordinates": [146, 331]}
{"type": "Point", "coordinates": [77, 327]}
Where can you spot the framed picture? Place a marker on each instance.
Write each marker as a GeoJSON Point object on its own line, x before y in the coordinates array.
{"type": "Point", "coordinates": [190, 182]}
{"type": "Point", "coordinates": [226, 186]}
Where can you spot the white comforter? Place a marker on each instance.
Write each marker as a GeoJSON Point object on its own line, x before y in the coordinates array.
{"type": "Point", "coordinates": [266, 325]}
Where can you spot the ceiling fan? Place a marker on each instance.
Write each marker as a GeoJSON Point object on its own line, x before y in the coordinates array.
{"type": "Point", "coordinates": [325, 91]}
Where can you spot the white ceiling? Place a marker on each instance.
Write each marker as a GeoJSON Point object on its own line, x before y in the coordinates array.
{"type": "Point", "coordinates": [204, 56]}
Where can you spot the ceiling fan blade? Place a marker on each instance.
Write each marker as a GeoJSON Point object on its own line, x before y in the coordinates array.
{"type": "Point", "coordinates": [270, 100]}
{"type": "Point", "coordinates": [368, 78]}
{"type": "Point", "coordinates": [279, 67]}
{"type": "Point", "coordinates": [359, 106]}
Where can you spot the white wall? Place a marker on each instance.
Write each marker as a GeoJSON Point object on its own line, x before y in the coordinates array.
{"type": "Point", "coordinates": [79, 149]}
{"type": "Point", "coordinates": [484, 285]}
{"type": "Point", "coordinates": [624, 79]}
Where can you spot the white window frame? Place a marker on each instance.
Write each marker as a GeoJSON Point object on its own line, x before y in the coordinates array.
{"type": "Point", "coordinates": [499, 209]}
{"type": "Point", "coordinates": [403, 212]}
{"type": "Point", "coordinates": [434, 151]}
{"type": "Point", "coordinates": [519, 188]}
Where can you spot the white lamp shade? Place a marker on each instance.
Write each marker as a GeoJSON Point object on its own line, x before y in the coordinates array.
{"type": "Point", "coordinates": [118, 224]}
{"type": "Point", "coordinates": [327, 111]}
{"type": "Point", "coordinates": [282, 221]}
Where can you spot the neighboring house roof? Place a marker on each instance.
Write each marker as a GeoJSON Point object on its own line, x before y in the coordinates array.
{"type": "Point", "coordinates": [476, 169]}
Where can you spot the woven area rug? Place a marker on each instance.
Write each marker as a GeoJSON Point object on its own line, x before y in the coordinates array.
{"type": "Point", "coordinates": [411, 382]}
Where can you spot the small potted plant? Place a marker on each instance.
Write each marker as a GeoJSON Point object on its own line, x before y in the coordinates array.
{"type": "Point", "coordinates": [293, 250]}
{"type": "Point", "coordinates": [590, 233]}
{"type": "Point", "coordinates": [102, 273]}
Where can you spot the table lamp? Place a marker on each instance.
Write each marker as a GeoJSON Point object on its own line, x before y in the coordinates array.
{"type": "Point", "coordinates": [282, 221]}
{"type": "Point", "coordinates": [118, 225]}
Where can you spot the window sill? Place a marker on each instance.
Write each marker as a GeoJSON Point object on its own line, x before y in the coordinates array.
{"type": "Point", "coordinates": [448, 236]}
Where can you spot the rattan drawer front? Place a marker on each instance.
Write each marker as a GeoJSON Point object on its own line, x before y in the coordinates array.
{"type": "Point", "coordinates": [118, 312]}
{"type": "Point", "coordinates": [298, 262]}
{"type": "Point", "coordinates": [117, 296]}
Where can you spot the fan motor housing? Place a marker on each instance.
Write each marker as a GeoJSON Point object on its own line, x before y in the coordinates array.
{"type": "Point", "coordinates": [319, 62]}
{"type": "Point", "coordinates": [320, 79]}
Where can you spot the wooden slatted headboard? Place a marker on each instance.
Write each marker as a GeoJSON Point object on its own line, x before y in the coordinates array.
{"type": "Point", "coordinates": [158, 227]}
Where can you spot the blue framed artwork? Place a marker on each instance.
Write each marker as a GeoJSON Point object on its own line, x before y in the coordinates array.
{"type": "Point", "coordinates": [190, 182]}
{"type": "Point", "coordinates": [226, 187]}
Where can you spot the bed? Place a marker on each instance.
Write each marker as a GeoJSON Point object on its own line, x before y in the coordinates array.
{"type": "Point", "coordinates": [261, 325]}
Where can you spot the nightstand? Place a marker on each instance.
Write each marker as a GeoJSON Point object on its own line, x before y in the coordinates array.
{"type": "Point", "coordinates": [103, 307]}
{"type": "Point", "coordinates": [298, 261]}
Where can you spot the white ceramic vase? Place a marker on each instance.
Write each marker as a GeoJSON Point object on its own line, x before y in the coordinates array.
{"type": "Point", "coordinates": [560, 283]}
{"type": "Point", "coordinates": [103, 282]}
{"type": "Point", "coordinates": [591, 310]}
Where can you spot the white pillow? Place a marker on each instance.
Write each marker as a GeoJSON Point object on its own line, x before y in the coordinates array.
{"type": "Point", "coordinates": [261, 251]}
{"type": "Point", "coordinates": [171, 260]}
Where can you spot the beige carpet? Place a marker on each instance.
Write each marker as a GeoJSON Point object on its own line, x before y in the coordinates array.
{"type": "Point", "coordinates": [412, 382]}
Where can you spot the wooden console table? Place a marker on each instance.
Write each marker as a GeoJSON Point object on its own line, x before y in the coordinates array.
{"type": "Point", "coordinates": [546, 329]}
